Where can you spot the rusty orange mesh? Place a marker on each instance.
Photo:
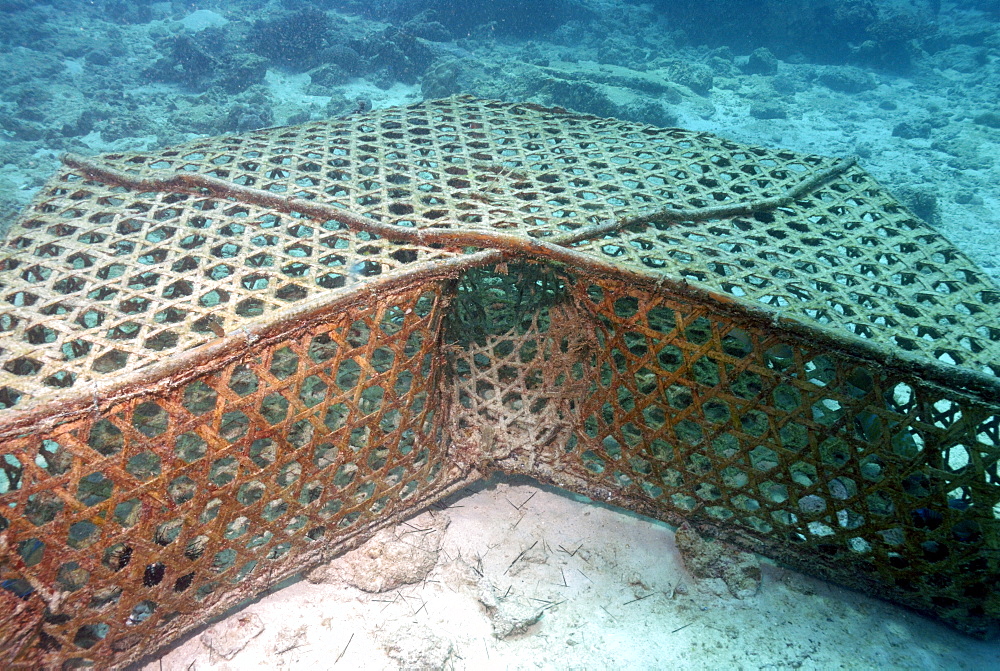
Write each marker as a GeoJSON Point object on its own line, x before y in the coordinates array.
{"type": "Point", "coordinates": [225, 362]}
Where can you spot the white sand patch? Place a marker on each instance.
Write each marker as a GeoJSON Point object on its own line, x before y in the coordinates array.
{"type": "Point", "coordinates": [397, 95]}
{"type": "Point", "coordinates": [201, 19]}
{"type": "Point", "coordinates": [288, 91]}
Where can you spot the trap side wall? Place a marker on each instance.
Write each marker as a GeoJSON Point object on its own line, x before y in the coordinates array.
{"type": "Point", "coordinates": [836, 464]}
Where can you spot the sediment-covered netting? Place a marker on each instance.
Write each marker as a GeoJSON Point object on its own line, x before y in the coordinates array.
{"type": "Point", "coordinates": [226, 361]}
{"type": "Point", "coordinates": [806, 453]}
{"type": "Point", "coordinates": [247, 467]}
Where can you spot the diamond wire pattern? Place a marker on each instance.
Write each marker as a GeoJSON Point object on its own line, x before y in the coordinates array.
{"type": "Point", "coordinates": [158, 273]}
{"type": "Point", "coordinates": [179, 496]}
{"type": "Point", "coordinates": [829, 463]}
{"type": "Point", "coordinates": [123, 276]}
{"type": "Point", "coordinates": [879, 273]}
{"type": "Point", "coordinates": [162, 506]}
{"type": "Point", "coordinates": [882, 275]}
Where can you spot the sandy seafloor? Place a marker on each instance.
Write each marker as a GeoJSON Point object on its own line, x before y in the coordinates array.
{"type": "Point", "coordinates": [608, 588]}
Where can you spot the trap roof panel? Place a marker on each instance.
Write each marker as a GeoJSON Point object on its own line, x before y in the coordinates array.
{"type": "Point", "coordinates": [101, 278]}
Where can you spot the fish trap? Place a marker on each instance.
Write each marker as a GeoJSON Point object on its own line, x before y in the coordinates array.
{"type": "Point", "coordinates": [227, 361]}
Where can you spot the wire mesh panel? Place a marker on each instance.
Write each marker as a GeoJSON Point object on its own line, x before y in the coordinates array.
{"type": "Point", "coordinates": [817, 457]}
{"type": "Point", "coordinates": [226, 361]}
{"type": "Point", "coordinates": [136, 519]}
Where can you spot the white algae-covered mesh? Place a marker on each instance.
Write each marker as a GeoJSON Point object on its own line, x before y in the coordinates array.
{"type": "Point", "coordinates": [226, 361]}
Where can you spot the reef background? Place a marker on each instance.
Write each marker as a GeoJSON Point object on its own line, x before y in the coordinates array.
{"type": "Point", "coordinates": [910, 86]}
